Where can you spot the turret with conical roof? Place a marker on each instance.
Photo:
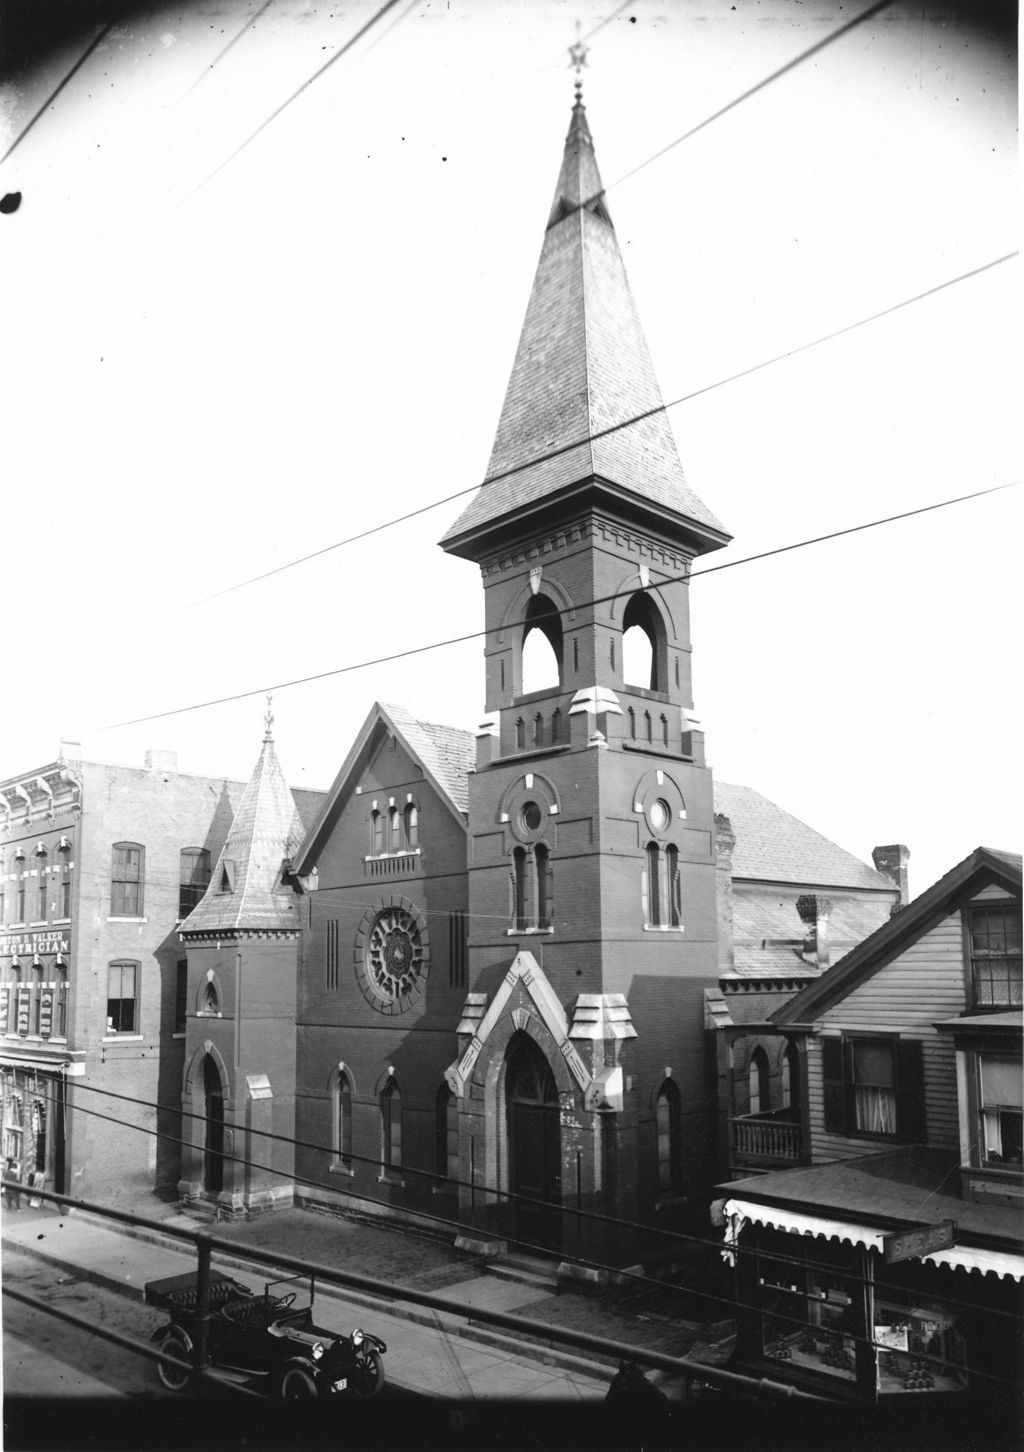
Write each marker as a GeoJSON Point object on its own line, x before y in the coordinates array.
{"type": "Point", "coordinates": [246, 890]}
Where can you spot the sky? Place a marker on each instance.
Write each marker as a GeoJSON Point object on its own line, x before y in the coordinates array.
{"type": "Point", "coordinates": [217, 361]}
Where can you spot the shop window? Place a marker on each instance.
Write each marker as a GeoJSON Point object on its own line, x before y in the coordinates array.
{"type": "Point", "coordinates": [126, 880]}
{"type": "Point", "coordinates": [391, 1126]}
{"type": "Point", "coordinates": [1002, 1107]}
{"type": "Point", "coordinates": [447, 1137]}
{"type": "Point", "coordinates": [342, 1120]}
{"type": "Point", "coordinates": [874, 1087]}
{"type": "Point", "coordinates": [668, 1117]}
{"type": "Point", "coordinates": [757, 1083]}
{"type": "Point", "coordinates": [193, 878]}
{"type": "Point", "coordinates": [123, 997]}
{"type": "Point", "coordinates": [181, 996]}
{"type": "Point", "coordinates": [994, 937]}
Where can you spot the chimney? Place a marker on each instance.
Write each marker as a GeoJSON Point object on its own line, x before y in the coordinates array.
{"type": "Point", "coordinates": [725, 841]}
{"type": "Point", "coordinates": [891, 862]}
{"type": "Point", "coordinates": [161, 760]}
{"type": "Point", "coordinates": [814, 914]}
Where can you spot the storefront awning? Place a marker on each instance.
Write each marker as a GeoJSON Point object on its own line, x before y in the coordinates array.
{"type": "Point", "coordinates": [959, 1257]}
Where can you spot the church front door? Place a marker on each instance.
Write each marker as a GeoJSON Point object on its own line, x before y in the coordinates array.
{"type": "Point", "coordinates": [535, 1158]}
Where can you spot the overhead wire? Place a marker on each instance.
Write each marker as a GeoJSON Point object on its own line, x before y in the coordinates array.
{"type": "Point", "coordinates": [603, 433]}
{"type": "Point", "coordinates": [716, 1247]}
{"type": "Point", "coordinates": [321, 70]}
{"type": "Point", "coordinates": [79, 63]}
{"type": "Point", "coordinates": [579, 605]}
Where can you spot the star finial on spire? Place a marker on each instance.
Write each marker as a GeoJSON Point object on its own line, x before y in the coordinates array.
{"type": "Point", "coordinates": [268, 719]}
{"type": "Point", "coordinates": [578, 59]}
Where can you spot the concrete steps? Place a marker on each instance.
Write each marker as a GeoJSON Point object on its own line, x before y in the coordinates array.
{"type": "Point", "coordinates": [536, 1272]}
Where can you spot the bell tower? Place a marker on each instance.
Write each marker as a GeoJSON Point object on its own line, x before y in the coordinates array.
{"type": "Point", "coordinates": [592, 866]}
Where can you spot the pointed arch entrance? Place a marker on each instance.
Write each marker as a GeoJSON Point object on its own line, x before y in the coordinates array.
{"type": "Point", "coordinates": [534, 1143]}
{"type": "Point", "coordinates": [213, 1146]}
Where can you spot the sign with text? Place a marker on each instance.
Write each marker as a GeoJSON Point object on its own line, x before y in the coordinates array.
{"type": "Point", "coordinates": [42, 940]}
{"type": "Point", "coordinates": [909, 1244]}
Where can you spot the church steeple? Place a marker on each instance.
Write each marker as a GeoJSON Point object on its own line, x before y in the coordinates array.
{"type": "Point", "coordinates": [245, 890]}
{"type": "Point", "coordinates": [581, 370]}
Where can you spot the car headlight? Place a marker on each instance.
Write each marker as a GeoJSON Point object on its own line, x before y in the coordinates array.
{"type": "Point", "coordinates": [357, 1337]}
{"type": "Point", "coordinates": [317, 1351]}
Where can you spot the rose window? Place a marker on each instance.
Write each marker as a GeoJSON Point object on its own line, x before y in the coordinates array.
{"type": "Point", "coordinates": [392, 956]}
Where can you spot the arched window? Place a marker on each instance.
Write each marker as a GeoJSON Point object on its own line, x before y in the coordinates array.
{"type": "Point", "coordinates": [193, 878]}
{"type": "Point", "coordinates": [556, 726]}
{"type": "Point", "coordinates": [210, 1000]}
{"type": "Point", "coordinates": [343, 1120]}
{"type": "Point", "coordinates": [643, 644]}
{"type": "Point", "coordinates": [60, 1017]}
{"type": "Point", "coordinates": [668, 1117]}
{"type": "Point", "coordinates": [19, 873]}
{"type": "Point", "coordinates": [391, 1125]}
{"type": "Point", "coordinates": [790, 1078]}
{"type": "Point", "coordinates": [394, 830]}
{"type": "Point", "coordinates": [675, 904]}
{"type": "Point", "coordinates": [757, 1081]}
{"type": "Point", "coordinates": [126, 879]}
{"type": "Point", "coordinates": [376, 832]}
{"type": "Point", "coordinates": [538, 730]}
{"type": "Point", "coordinates": [575, 653]}
{"type": "Point", "coordinates": [36, 1000]}
{"type": "Point", "coordinates": [664, 730]}
{"type": "Point", "coordinates": [520, 734]}
{"type": "Point", "coordinates": [632, 723]}
{"type": "Point", "coordinates": [542, 896]}
{"type": "Point", "coordinates": [542, 646]}
{"type": "Point", "coordinates": [43, 869]}
{"type": "Point", "coordinates": [412, 826]}
{"type": "Point", "coordinates": [519, 895]}
{"type": "Point", "coordinates": [64, 852]}
{"type": "Point", "coordinates": [653, 880]}
{"type": "Point", "coordinates": [647, 726]}
{"type": "Point", "coordinates": [447, 1142]}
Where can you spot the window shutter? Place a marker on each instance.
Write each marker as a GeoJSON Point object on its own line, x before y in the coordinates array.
{"type": "Point", "coordinates": [832, 1063]}
{"type": "Point", "coordinates": [911, 1125]}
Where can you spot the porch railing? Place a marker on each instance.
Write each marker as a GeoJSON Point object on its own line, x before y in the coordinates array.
{"type": "Point", "coordinates": [773, 1138]}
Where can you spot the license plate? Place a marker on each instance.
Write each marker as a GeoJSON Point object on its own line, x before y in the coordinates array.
{"type": "Point", "coordinates": [339, 1385]}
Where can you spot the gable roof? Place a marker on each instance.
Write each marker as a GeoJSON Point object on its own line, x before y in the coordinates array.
{"type": "Point", "coordinates": [982, 867]}
{"type": "Point", "coordinates": [245, 890]}
{"type": "Point", "coordinates": [582, 368]}
{"type": "Point", "coordinates": [445, 755]}
{"type": "Point", "coordinates": [774, 846]}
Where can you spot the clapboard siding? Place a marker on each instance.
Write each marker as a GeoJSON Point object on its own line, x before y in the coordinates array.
{"type": "Point", "coordinates": [924, 984]}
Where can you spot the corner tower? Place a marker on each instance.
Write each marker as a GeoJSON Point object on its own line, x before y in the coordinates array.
{"type": "Point", "coordinates": [592, 866]}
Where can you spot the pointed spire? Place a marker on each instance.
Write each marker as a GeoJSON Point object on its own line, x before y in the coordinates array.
{"type": "Point", "coordinates": [582, 370]}
{"type": "Point", "coordinates": [245, 890]}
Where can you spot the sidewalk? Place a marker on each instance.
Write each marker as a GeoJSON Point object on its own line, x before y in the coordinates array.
{"type": "Point", "coordinates": [645, 1316]}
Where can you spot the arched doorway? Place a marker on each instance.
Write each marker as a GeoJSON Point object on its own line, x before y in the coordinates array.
{"type": "Point", "coordinates": [535, 1151]}
{"type": "Point", "coordinates": [213, 1149]}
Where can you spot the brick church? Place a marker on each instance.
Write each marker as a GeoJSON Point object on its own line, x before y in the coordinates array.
{"type": "Point", "coordinates": [478, 987]}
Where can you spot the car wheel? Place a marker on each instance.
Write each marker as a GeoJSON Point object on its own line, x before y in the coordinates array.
{"type": "Point", "coordinates": [297, 1385]}
{"type": "Point", "coordinates": [173, 1378]}
{"type": "Point", "coordinates": [368, 1375]}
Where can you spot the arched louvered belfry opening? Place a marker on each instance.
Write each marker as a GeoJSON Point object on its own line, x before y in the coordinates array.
{"type": "Point", "coordinates": [534, 1140]}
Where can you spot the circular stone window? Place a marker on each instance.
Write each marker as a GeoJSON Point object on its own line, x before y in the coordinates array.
{"type": "Point", "coordinates": [532, 817]}
{"type": "Point", "coordinates": [392, 956]}
{"type": "Point", "coordinates": [659, 814]}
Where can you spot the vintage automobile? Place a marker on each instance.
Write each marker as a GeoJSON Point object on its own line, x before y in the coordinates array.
{"type": "Point", "coordinates": [266, 1342]}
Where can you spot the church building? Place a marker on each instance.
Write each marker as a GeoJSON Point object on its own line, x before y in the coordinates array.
{"type": "Point", "coordinates": [477, 987]}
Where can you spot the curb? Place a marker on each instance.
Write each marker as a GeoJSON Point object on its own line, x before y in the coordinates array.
{"type": "Point", "coordinates": [546, 1353]}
